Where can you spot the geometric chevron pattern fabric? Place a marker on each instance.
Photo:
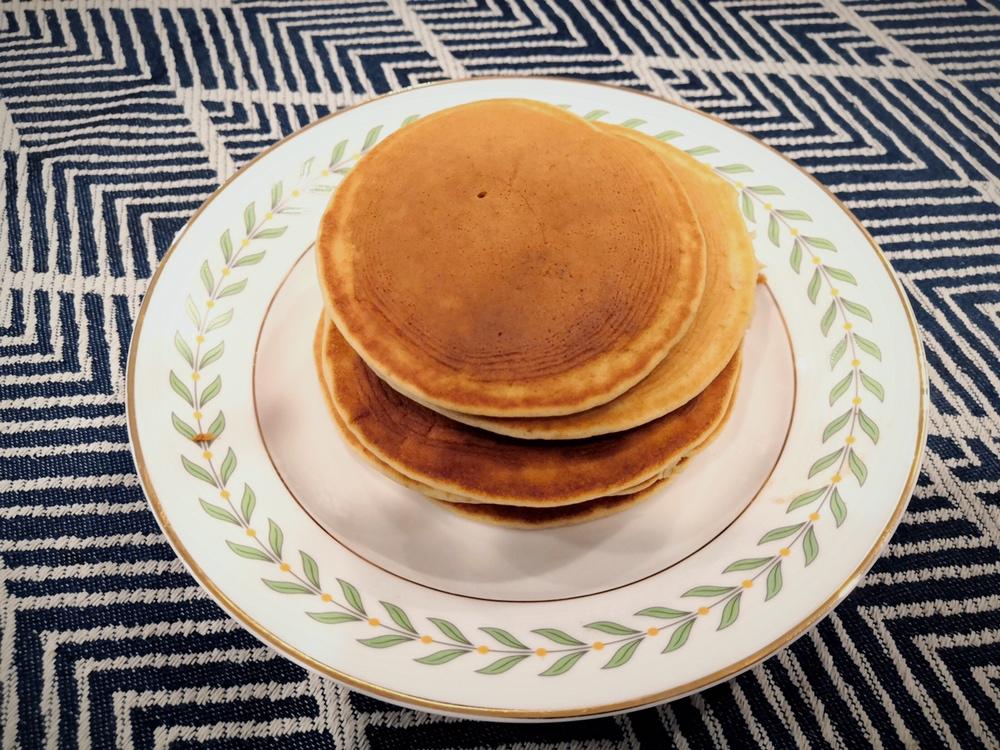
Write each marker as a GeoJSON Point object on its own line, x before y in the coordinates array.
{"type": "Point", "coordinates": [119, 117]}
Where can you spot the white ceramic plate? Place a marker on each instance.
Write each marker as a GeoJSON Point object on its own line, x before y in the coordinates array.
{"type": "Point", "coordinates": [351, 575]}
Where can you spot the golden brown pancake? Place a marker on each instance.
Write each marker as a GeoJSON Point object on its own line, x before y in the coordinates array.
{"type": "Point", "coordinates": [506, 515]}
{"type": "Point", "coordinates": [324, 372]}
{"type": "Point", "coordinates": [518, 517]}
{"type": "Point", "coordinates": [718, 327]}
{"type": "Point", "coordinates": [465, 461]}
{"type": "Point", "coordinates": [509, 259]}
{"type": "Point", "coordinates": [514, 516]}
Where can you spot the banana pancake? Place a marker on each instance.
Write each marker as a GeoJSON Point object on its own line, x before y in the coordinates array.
{"type": "Point", "coordinates": [718, 327]}
{"type": "Point", "coordinates": [509, 259]}
{"type": "Point", "coordinates": [471, 463]}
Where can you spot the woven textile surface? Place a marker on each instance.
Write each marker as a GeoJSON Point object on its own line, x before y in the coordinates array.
{"type": "Point", "coordinates": [119, 117]}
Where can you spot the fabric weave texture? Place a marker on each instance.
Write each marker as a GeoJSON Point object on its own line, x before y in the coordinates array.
{"type": "Point", "coordinates": [119, 117]}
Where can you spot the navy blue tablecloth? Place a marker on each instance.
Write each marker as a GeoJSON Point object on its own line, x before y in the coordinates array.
{"type": "Point", "coordinates": [118, 118]}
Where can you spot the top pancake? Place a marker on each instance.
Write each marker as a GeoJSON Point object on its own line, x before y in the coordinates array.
{"type": "Point", "coordinates": [718, 327]}
{"type": "Point", "coordinates": [509, 259]}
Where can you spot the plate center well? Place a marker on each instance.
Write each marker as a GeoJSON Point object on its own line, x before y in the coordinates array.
{"type": "Point", "coordinates": [403, 533]}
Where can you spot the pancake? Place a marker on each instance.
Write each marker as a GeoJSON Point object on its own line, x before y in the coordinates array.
{"type": "Point", "coordinates": [514, 516]}
{"type": "Point", "coordinates": [566, 515]}
{"type": "Point", "coordinates": [384, 468]}
{"type": "Point", "coordinates": [465, 461]}
{"type": "Point", "coordinates": [509, 259]}
{"type": "Point", "coordinates": [506, 515]}
{"type": "Point", "coordinates": [718, 328]}
{"type": "Point", "coordinates": [517, 517]}
{"type": "Point", "coordinates": [511, 515]}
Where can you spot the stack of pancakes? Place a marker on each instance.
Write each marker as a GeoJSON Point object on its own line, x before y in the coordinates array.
{"type": "Point", "coordinates": [531, 319]}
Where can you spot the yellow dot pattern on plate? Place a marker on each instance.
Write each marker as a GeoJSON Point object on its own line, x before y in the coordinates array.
{"type": "Point", "coordinates": [747, 584]}
{"type": "Point", "coordinates": [703, 611]}
{"type": "Point", "coordinates": [374, 622]}
{"type": "Point", "coordinates": [597, 645]}
{"type": "Point", "coordinates": [652, 632]}
{"type": "Point", "coordinates": [426, 639]}
{"type": "Point", "coordinates": [784, 552]}
{"type": "Point", "coordinates": [541, 651]}
{"type": "Point", "coordinates": [483, 649]}
{"type": "Point", "coordinates": [814, 516]}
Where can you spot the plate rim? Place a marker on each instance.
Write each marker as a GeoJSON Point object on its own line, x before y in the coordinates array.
{"type": "Point", "coordinates": [493, 713]}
